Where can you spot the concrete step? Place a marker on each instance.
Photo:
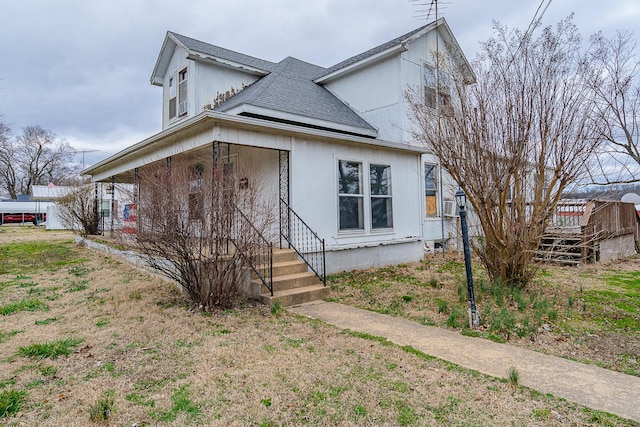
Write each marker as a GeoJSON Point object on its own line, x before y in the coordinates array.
{"type": "Point", "coordinates": [296, 296]}
{"type": "Point", "coordinates": [289, 267]}
{"type": "Point", "coordinates": [285, 268]}
{"type": "Point", "coordinates": [291, 281]}
{"type": "Point", "coordinates": [283, 255]}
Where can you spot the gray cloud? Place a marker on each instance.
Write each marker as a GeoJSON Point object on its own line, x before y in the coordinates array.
{"type": "Point", "coordinates": [81, 68]}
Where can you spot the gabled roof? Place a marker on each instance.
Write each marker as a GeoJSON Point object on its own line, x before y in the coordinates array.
{"type": "Point", "coordinates": [292, 90]}
{"type": "Point", "coordinates": [289, 94]}
{"type": "Point", "coordinates": [393, 47]}
{"type": "Point", "coordinates": [197, 49]}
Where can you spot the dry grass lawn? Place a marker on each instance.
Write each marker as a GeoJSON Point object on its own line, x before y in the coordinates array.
{"type": "Point", "coordinates": [142, 357]}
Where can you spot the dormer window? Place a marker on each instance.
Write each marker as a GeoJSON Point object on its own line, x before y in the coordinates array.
{"type": "Point", "coordinates": [182, 92]}
{"type": "Point", "coordinates": [178, 94]}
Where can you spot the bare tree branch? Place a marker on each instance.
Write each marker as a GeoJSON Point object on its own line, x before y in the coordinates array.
{"type": "Point", "coordinates": [516, 139]}
{"type": "Point", "coordinates": [190, 229]}
{"type": "Point", "coordinates": [35, 157]}
{"type": "Point", "coordinates": [614, 67]}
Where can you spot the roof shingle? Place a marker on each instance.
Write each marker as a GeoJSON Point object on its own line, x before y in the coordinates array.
{"type": "Point", "coordinates": [220, 52]}
{"type": "Point", "coordinates": [289, 88]}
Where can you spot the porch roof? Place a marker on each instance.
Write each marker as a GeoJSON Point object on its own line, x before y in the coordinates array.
{"type": "Point", "coordinates": [121, 162]}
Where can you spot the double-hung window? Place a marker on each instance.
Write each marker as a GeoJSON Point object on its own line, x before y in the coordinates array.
{"type": "Point", "coordinates": [178, 94]}
{"type": "Point", "coordinates": [381, 206]}
{"type": "Point", "coordinates": [365, 200]}
{"type": "Point", "coordinates": [350, 195]}
{"type": "Point", "coordinates": [172, 97]}
{"type": "Point", "coordinates": [431, 188]}
{"type": "Point", "coordinates": [443, 84]}
{"type": "Point", "coordinates": [182, 92]}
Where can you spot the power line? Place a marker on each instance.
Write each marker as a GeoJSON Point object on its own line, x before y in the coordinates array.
{"type": "Point", "coordinates": [535, 21]}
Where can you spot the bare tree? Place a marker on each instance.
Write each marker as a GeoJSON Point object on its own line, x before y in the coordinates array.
{"type": "Point", "coordinates": [199, 224]}
{"type": "Point", "coordinates": [77, 209]}
{"type": "Point", "coordinates": [36, 156]}
{"type": "Point", "coordinates": [7, 155]}
{"type": "Point", "coordinates": [515, 139]}
{"type": "Point", "coordinates": [615, 78]}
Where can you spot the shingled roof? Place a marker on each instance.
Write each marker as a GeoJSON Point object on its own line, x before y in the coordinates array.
{"type": "Point", "coordinates": [292, 90]}
{"type": "Point", "coordinates": [371, 52]}
{"type": "Point", "coordinates": [289, 89]}
{"type": "Point", "coordinates": [222, 53]}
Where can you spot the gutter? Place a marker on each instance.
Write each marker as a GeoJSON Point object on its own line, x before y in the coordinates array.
{"type": "Point", "coordinates": [210, 118]}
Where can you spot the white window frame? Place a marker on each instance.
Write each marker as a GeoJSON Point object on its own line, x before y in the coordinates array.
{"type": "Point", "coordinates": [365, 196]}
{"type": "Point", "coordinates": [173, 96]}
{"type": "Point", "coordinates": [360, 197]}
{"type": "Point", "coordinates": [183, 94]}
{"type": "Point", "coordinates": [178, 95]}
{"type": "Point", "coordinates": [387, 197]}
{"type": "Point", "coordinates": [436, 181]}
{"type": "Point", "coordinates": [444, 86]}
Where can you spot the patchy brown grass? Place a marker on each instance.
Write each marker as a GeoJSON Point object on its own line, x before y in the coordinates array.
{"type": "Point", "coordinates": [147, 359]}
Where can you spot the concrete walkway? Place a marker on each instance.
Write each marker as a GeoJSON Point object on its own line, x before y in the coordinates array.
{"type": "Point", "coordinates": [587, 385]}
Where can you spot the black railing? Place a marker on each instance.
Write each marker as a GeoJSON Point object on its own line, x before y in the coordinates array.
{"type": "Point", "coordinates": [301, 238]}
{"type": "Point", "coordinates": [252, 246]}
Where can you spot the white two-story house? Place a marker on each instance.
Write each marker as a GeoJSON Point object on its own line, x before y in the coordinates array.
{"type": "Point", "coordinates": [333, 143]}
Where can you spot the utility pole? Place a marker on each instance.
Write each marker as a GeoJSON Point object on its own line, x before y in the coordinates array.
{"type": "Point", "coordinates": [83, 153]}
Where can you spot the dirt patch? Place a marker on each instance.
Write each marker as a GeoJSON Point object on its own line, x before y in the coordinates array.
{"type": "Point", "coordinates": [12, 233]}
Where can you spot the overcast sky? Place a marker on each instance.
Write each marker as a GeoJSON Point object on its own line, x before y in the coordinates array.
{"type": "Point", "coordinates": [81, 68]}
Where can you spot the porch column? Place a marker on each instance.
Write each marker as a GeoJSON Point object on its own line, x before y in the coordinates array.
{"type": "Point", "coordinates": [95, 208]}
{"type": "Point", "coordinates": [284, 195]}
{"type": "Point", "coordinates": [113, 203]}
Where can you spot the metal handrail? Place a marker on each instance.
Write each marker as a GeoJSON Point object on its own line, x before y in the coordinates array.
{"type": "Point", "coordinates": [302, 239]}
{"type": "Point", "coordinates": [260, 250]}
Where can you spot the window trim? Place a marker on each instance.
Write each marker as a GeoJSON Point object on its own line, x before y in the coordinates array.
{"type": "Point", "coordinates": [436, 178]}
{"type": "Point", "coordinates": [183, 79]}
{"type": "Point", "coordinates": [443, 90]}
{"type": "Point", "coordinates": [365, 195]}
{"type": "Point", "coordinates": [181, 103]}
{"type": "Point", "coordinates": [360, 196]}
{"type": "Point", "coordinates": [388, 196]}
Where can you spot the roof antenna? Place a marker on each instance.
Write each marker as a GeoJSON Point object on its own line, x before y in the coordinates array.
{"type": "Point", "coordinates": [432, 11]}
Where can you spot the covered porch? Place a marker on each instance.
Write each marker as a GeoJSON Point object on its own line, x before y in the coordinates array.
{"type": "Point", "coordinates": [259, 163]}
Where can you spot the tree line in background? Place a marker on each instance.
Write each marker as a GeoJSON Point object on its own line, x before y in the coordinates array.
{"type": "Point", "coordinates": [541, 115]}
{"type": "Point", "coordinates": [34, 157]}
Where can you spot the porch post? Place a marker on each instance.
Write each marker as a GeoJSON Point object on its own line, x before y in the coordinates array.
{"type": "Point", "coordinates": [284, 195]}
{"type": "Point", "coordinates": [96, 218]}
{"type": "Point", "coordinates": [136, 198]}
{"type": "Point", "coordinates": [113, 203]}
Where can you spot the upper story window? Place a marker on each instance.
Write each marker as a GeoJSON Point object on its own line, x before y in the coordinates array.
{"type": "Point", "coordinates": [178, 94]}
{"type": "Point", "coordinates": [443, 83]}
